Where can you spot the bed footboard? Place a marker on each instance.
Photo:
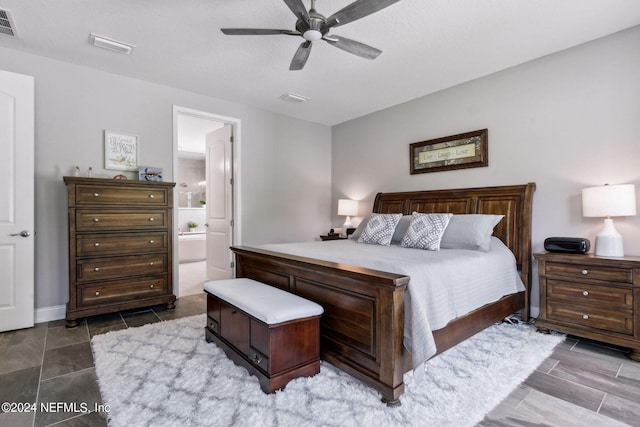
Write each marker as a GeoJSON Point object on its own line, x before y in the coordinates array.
{"type": "Point", "coordinates": [361, 330]}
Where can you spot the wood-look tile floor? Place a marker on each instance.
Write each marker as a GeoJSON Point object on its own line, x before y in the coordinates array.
{"type": "Point", "coordinates": [581, 384]}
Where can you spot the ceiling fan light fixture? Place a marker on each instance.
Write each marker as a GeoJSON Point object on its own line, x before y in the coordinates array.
{"type": "Point", "coordinates": [312, 35]}
{"type": "Point", "coordinates": [110, 44]}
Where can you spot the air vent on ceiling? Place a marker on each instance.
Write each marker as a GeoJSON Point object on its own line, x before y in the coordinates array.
{"type": "Point", "coordinates": [7, 27]}
{"type": "Point", "coordinates": [110, 44]}
{"type": "Point", "coordinates": [294, 97]}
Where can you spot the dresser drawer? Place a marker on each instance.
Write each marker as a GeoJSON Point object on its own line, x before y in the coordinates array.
{"type": "Point", "coordinates": [95, 219]}
{"type": "Point", "coordinates": [92, 269]}
{"type": "Point", "coordinates": [609, 274]}
{"type": "Point", "coordinates": [120, 243]}
{"type": "Point", "coordinates": [577, 293]}
{"type": "Point", "coordinates": [592, 317]}
{"type": "Point", "coordinates": [109, 195]}
{"type": "Point", "coordinates": [124, 290]}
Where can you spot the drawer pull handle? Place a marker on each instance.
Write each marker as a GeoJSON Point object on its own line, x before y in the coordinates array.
{"type": "Point", "coordinates": [585, 272]}
{"type": "Point", "coordinates": [97, 293]}
{"type": "Point", "coordinates": [151, 263]}
{"type": "Point", "coordinates": [151, 196]}
{"type": "Point", "coordinates": [96, 194]}
{"type": "Point", "coordinates": [96, 219]}
{"type": "Point", "coordinates": [152, 219]}
{"type": "Point", "coordinates": [151, 286]}
{"type": "Point", "coordinates": [152, 241]}
{"type": "Point", "coordinates": [96, 269]}
{"type": "Point", "coordinates": [96, 244]}
{"type": "Point", "coordinates": [585, 316]}
{"type": "Point", "coordinates": [585, 293]}
{"type": "Point", "coordinates": [257, 359]}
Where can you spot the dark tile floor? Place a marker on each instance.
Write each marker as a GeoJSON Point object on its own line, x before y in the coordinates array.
{"type": "Point", "coordinates": [581, 384]}
{"type": "Point", "coordinates": [52, 365]}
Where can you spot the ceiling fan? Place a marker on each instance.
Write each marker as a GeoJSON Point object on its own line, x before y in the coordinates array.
{"type": "Point", "coordinates": [313, 26]}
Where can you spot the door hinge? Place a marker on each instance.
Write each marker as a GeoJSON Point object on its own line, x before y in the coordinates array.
{"type": "Point", "coordinates": [232, 264]}
{"type": "Point", "coordinates": [231, 181]}
{"type": "Point", "coordinates": [231, 223]}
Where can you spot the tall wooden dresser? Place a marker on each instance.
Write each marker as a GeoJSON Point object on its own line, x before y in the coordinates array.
{"type": "Point", "coordinates": [120, 245]}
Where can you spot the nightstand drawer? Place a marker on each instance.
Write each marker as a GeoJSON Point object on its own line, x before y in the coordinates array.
{"type": "Point", "coordinates": [577, 293]}
{"type": "Point", "coordinates": [583, 271]}
{"type": "Point", "coordinates": [607, 320]}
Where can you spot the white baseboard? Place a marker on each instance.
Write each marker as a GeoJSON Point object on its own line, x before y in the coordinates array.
{"type": "Point", "coordinates": [47, 314]}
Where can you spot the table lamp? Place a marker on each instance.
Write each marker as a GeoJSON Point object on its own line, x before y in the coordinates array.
{"type": "Point", "coordinates": [349, 208]}
{"type": "Point", "coordinates": [608, 201]}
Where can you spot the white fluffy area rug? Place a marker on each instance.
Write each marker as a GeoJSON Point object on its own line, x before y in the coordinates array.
{"type": "Point", "coordinates": [166, 374]}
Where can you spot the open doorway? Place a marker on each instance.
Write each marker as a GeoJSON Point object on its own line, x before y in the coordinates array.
{"type": "Point", "coordinates": [205, 172]}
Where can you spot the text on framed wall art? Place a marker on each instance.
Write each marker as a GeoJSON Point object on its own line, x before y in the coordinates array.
{"type": "Point", "coordinates": [465, 150]}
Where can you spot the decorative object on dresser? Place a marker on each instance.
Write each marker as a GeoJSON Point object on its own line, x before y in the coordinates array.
{"type": "Point", "coordinates": [348, 208]}
{"type": "Point", "coordinates": [465, 150]}
{"type": "Point", "coordinates": [120, 245]}
{"type": "Point", "coordinates": [592, 297]}
{"type": "Point", "coordinates": [607, 201]}
{"type": "Point", "coordinates": [273, 334]}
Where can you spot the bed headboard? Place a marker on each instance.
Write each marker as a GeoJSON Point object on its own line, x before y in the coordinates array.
{"type": "Point", "coordinates": [513, 201]}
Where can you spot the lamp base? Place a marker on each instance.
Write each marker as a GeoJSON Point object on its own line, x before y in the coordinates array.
{"type": "Point", "coordinates": [347, 224]}
{"type": "Point", "coordinates": [609, 241]}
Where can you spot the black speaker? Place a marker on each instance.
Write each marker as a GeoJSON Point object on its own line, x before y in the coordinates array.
{"type": "Point", "coordinates": [568, 245]}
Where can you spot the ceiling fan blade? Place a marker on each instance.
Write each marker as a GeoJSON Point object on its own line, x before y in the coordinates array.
{"type": "Point", "coordinates": [256, 32]}
{"type": "Point", "coordinates": [301, 56]}
{"type": "Point", "coordinates": [356, 10]}
{"type": "Point", "coordinates": [352, 46]}
{"type": "Point", "coordinates": [298, 9]}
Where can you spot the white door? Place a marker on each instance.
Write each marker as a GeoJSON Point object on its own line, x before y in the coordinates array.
{"type": "Point", "coordinates": [16, 201]}
{"type": "Point", "coordinates": [219, 203]}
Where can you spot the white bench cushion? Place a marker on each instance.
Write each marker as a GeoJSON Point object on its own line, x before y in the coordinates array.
{"type": "Point", "coordinates": [264, 302]}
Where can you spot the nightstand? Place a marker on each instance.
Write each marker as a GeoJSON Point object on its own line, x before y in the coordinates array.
{"type": "Point", "coordinates": [591, 297]}
{"type": "Point", "coordinates": [332, 237]}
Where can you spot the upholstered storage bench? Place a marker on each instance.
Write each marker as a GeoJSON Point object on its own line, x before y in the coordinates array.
{"type": "Point", "coordinates": [274, 334]}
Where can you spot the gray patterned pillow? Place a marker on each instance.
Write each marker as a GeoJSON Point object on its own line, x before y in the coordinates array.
{"type": "Point", "coordinates": [379, 229]}
{"type": "Point", "coordinates": [425, 231]}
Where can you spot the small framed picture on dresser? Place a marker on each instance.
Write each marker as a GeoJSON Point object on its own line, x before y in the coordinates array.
{"type": "Point", "coordinates": [120, 151]}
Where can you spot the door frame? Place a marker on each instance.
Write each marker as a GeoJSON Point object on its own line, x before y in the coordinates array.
{"type": "Point", "coordinates": [236, 204]}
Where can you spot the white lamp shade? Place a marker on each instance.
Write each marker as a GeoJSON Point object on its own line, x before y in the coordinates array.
{"type": "Point", "coordinates": [347, 207]}
{"type": "Point", "coordinates": [609, 200]}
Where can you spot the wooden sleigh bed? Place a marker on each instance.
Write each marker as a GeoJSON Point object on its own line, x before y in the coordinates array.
{"type": "Point", "coordinates": [363, 324]}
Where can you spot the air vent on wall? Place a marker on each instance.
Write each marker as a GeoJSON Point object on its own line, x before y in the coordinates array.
{"type": "Point", "coordinates": [7, 27]}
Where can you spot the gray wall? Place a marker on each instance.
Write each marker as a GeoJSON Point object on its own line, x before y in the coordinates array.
{"type": "Point", "coordinates": [566, 121]}
{"type": "Point", "coordinates": [75, 104]}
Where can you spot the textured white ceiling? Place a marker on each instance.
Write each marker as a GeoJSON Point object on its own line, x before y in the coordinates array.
{"type": "Point", "coordinates": [428, 45]}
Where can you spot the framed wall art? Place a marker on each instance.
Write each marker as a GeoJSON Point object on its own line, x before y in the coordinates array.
{"type": "Point", "coordinates": [465, 150]}
{"type": "Point", "coordinates": [120, 151]}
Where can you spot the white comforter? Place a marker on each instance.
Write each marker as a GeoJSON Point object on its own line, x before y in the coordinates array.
{"type": "Point", "coordinates": [444, 284]}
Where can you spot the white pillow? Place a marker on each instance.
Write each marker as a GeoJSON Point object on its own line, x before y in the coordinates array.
{"type": "Point", "coordinates": [425, 231]}
{"type": "Point", "coordinates": [359, 229]}
{"type": "Point", "coordinates": [401, 229]}
{"type": "Point", "coordinates": [472, 231]}
{"type": "Point", "coordinates": [379, 229]}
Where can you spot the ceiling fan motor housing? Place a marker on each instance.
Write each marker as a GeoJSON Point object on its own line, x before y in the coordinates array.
{"type": "Point", "coordinates": [313, 30]}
